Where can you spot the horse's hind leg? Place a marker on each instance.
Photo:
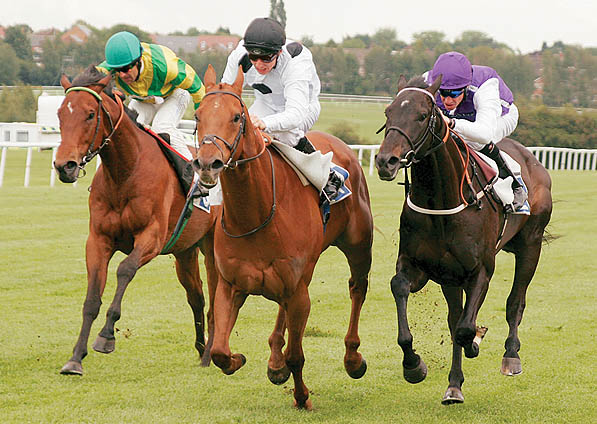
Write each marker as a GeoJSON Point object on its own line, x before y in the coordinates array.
{"type": "Point", "coordinates": [187, 269]}
{"type": "Point", "coordinates": [277, 371]}
{"type": "Point", "coordinates": [145, 249]}
{"type": "Point", "coordinates": [526, 264]}
{"type": "Point", "coordinates": [98, 253]}
{"type": "Point", "coordinates": [359, 260]}
{"type": "Point", "coordinates": [453, 296]}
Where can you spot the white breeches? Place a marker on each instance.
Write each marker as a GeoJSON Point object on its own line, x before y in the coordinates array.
{"type": "Point", "coordinates": [164, 118]}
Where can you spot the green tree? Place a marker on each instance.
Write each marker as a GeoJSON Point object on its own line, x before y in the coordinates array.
{"type": "Point", "coordinates": [9, 65]}
{"type": "Point", "coordinates": [278, 12]}
{"type": "Point", "coordinates": [18, 37]}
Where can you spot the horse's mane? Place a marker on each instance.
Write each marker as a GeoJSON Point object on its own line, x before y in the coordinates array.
{"type": "Point", "coordinates": [91, 76]}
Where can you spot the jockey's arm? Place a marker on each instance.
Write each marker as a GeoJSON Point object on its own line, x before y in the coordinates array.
{"type": "Point", "coordinates": [489, 109]}
{"type": "Point", "coordinates": [296, 96]}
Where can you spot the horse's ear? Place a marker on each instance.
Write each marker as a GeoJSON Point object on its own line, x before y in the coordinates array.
{"type": "Point", "coordinates": [239, 81]}
{"type": "Point", "coordinates": [209, 79]}
{"type": "Point", "coordinates": [435, 85]}
{"type": "Point", "coordinates": [65, 82]}
{"type": "Point", "coordinates": [401, 82]}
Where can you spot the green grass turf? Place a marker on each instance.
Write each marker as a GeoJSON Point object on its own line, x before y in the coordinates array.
{"type": "Point", "coordinates": [153, 376]}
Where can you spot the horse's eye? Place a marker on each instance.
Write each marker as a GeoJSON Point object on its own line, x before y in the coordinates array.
{"type": "Point", "coordinates": [422, 117]}
{"type": "Point", "coordinates": [91, 116]}
{"type": "Point", "coordinates": [236, 118]}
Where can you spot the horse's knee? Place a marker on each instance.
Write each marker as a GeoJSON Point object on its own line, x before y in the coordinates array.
{"type": "Point", "coordinates": [399, 286]}
{"type": "Point", "coordinates": [91, 307]}
{"type": "Point", "coordinates": [464, 336]}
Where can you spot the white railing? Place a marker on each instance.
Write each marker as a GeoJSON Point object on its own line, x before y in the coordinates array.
{"type": "Point", "coordinates": [556, 158]}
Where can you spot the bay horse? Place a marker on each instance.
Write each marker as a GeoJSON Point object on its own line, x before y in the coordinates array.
{"type": "Point", "coordinates": [134, 203]}
{"type": "Point", "coordinates": [271, 233]}
{"type": "Point", "coordinates": [453, 239]}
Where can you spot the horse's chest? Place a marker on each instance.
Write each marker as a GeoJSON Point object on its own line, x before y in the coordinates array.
{"type": "Point", "coordinates": [275, 280]}
{"type": "Point", "coordinates": [127, 217]}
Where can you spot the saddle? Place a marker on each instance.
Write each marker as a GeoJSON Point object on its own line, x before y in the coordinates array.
{"type": "Point", "coordinates": [181, 165]}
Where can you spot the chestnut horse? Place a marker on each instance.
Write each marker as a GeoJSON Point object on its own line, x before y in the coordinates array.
{"type": "Point", "coordinates": [453, 239]}
{"type": "Point", "coordinates": [271, 233]}
{"type": "Point", "coordinates": [134, 203]}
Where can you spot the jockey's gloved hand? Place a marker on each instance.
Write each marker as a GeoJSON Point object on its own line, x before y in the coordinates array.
{"type": "Point", "coordinates": [257, 122]}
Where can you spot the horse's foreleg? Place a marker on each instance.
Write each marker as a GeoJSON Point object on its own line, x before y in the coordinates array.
{"type": "Point", "coordinates": [298, 308]}
{"type": "Point", "coordinates": [98, 253]}
{"type": "Point", "coordinates": [414, 368]}
{"type": "Point", "coordinates": [277, 371]}
{"type": "Point", "coordinates": [526, 264]}
{"type": "Point", "coordinates": [146, 248]}
{"type": "Point", "coordinates": [453, 394]}
{"type": "Point", "coordinates": [226, 306]}
{"type": "Point", "coordinates": [187, 270]}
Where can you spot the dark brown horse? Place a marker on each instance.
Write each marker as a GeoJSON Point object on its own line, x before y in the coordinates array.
{"type": "Point", "coordinates": [271, 233]}
{"type": "Point", "coordinates": [452, 239]}
{"type": "Point", "coordinates": [134, 205]}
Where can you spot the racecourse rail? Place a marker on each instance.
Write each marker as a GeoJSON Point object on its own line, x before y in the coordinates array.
{"type": "Point", "coordinates": [551, 157]}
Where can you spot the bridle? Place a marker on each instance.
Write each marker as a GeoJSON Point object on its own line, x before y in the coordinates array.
{"type": "Point", "coordinates": [413, 156]}
{"type": "Point", "coordinates": [231, 164]}
{"type": "Point", "coordinates": [105, 140]}
{"type": "Point", "coordinates": [232, 147]}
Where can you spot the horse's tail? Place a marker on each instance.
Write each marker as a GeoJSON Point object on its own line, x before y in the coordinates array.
{"type": "Point", "coordinates": [549, 237]}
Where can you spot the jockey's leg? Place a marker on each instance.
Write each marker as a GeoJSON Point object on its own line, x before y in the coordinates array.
{"type": "Point", "coordinates": [145, 111]}
{"type": "Point", "coordinates": [166, 120]}
{"type": "Point", "coordinates": [493, 152]}
{"type": "Point", "coordinates": [169, 115]}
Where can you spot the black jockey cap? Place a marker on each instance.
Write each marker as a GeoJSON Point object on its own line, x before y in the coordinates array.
{"type": "Point", "coordinates": [264, 36]}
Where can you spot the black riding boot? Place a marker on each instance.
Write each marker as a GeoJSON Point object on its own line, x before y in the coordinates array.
{"type": "Point", "coordinates": [493, 152]}
{"type": "Point", "coordinates": [305, 146]}
{"type": "Point", "coordinates": [330, 191]}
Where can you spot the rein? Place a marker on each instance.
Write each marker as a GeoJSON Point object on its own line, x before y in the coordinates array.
{"type": "Point", "coordinates": [230, 164]}
{"type": "Point", "coordinates": [105, 140]}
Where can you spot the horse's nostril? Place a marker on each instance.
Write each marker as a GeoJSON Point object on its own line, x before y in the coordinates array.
{"type": "Point", "coordinates": [70, 165]}
{"type": "Point", "coordinates": [393, 161]}
{"type": "Point", "coordinates": [217, 164]}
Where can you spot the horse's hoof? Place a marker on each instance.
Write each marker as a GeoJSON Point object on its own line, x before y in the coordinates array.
{"type": "Point", "coordinates": [72, 368]}
{"type": "Point", "coordinates": [511, 366]}
{"type": "Point", "coordinates": [232, 369]}
{"type": "Point", "coordinates": [278, 376]}
{"type": "Point", "coordinates": [417, 374]}
{"type": "Point", "coordinates": [103, 345]}
{"type": "Point", "coordinates": [358, 373]}
{"type": "Point", "coordinates": [307, 406]}
{"type": "Point", "coordinates": [472, 350]}
{"type": "Point", "coordinates": [205, 360]}
{"type": "Point", "coordinates": [452, 395]}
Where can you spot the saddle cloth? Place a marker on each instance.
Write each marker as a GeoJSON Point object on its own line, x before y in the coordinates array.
{"type": "Point", "coordinates": [503, 187]}
{"type": "Point", "coordinates": [314, 168]}
{"type": "Point", "coordinates": [183, 170]}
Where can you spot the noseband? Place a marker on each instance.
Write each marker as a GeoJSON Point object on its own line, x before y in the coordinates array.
{"type": "Point", "coordinates": [105, 140]}
{"type": "Point", "coordinates": [412, 156]}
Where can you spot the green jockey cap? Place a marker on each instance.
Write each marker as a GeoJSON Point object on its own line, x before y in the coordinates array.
{"type": "Point", "coordinates": [123, 48]}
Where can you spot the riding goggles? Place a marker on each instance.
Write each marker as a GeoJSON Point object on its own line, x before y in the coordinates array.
{"type": "Point", "coordinates": [451, 93]}
{"type": "Point", "coordinates": [265, 58]}
{"type": "Point", "coordinates": [126, 68]}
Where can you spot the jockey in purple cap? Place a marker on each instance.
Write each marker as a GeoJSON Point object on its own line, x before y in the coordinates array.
{"type": "Point", "coordinates": [479, 107]}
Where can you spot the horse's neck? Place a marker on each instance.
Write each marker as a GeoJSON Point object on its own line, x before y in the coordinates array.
{"type": "Point", "coordinates": [121, 156]}
{"type": "Point", "coordinates": [436, 179]}
{"type": "Point", "coordinates": [247, 190]}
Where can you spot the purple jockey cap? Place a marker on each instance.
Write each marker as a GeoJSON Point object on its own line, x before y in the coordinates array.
{"type": "Point", "coordinates": [456, 70]}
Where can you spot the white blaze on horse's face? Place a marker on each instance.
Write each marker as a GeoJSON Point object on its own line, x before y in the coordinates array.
{"type": "Point", "coordinates": [217, 104]}
{"type": "Point", "coordinates": [404, 103]}
{"type": "Point", "coordinates": [70, 108]}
